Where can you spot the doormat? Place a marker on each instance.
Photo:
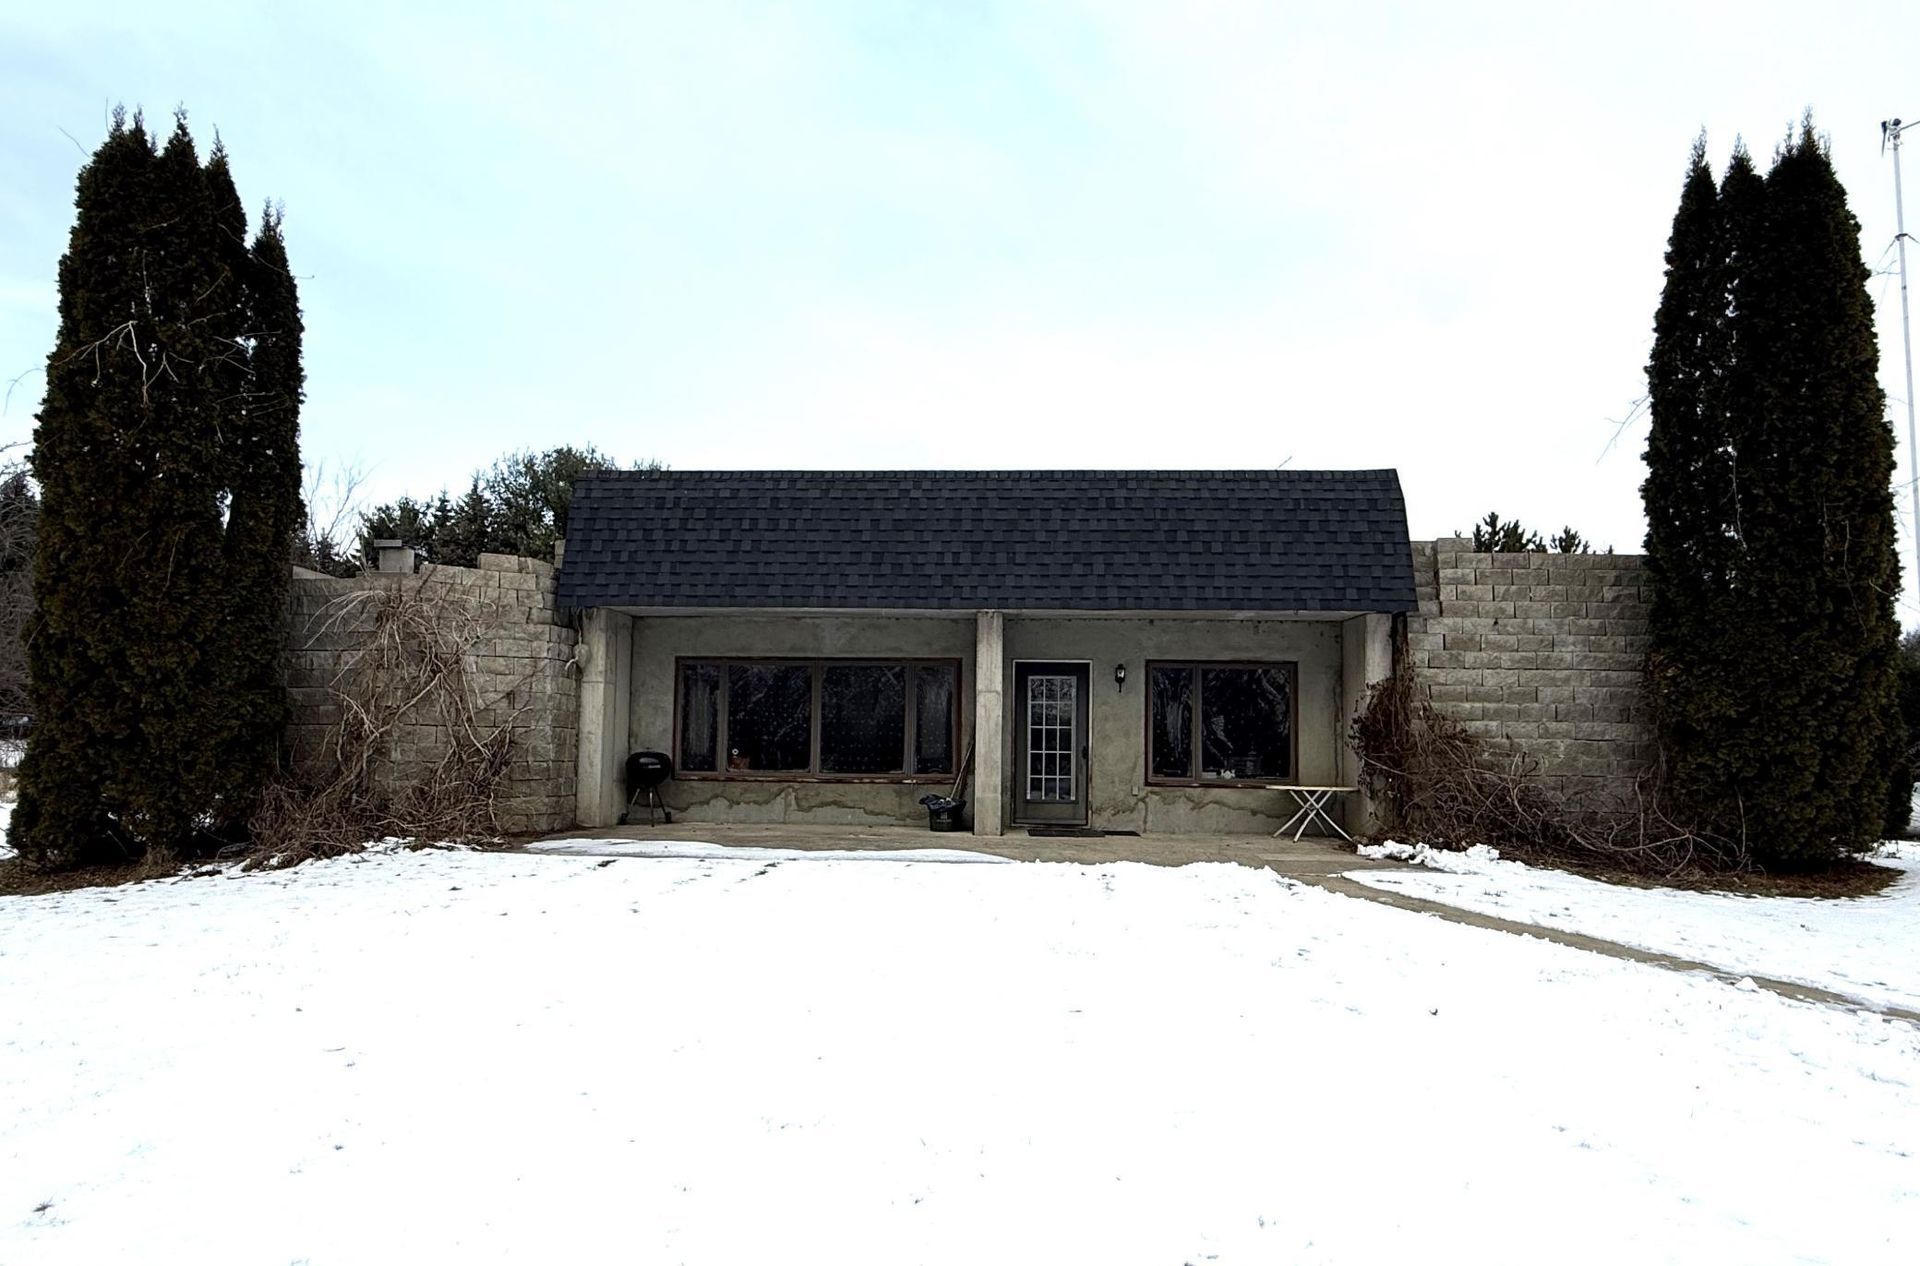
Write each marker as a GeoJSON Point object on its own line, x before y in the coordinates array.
{"type": "Point", "coordinates": [1072, 833]}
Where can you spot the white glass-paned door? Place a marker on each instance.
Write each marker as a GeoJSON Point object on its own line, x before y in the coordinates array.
{"type": "Point", "coordinates": [1052, 745]}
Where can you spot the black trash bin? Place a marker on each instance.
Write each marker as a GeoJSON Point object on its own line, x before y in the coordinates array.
{"type": "Point", "coordinates": [943, 812]}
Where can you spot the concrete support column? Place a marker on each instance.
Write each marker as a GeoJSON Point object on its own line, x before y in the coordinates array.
{"type": "Point", "coordinates": [605, 656]}
{"type": "Point", "coordinates": [1366, 657]}
{"type": "Point", "coordinates": [989, 724]}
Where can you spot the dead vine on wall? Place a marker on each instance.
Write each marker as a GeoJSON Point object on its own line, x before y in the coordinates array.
{"type": "Point", "coordinates": [1443, 787]}
{"type": "Point", "coordinates": [415, 751]}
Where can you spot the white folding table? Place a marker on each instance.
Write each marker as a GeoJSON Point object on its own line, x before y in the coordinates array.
{"type": "Point", "coordinates": [1313, 803]}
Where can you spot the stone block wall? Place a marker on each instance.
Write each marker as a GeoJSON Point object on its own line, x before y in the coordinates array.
{"type": "Point", "coordinates": [519, 661]}
{"type": "Point", "coordinates": [1539, 654]}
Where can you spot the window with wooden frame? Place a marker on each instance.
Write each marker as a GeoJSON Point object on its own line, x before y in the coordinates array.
{"type": "Point", "coordinates": [817, 719]}
{"type": "Point", "coordinates": [1214, 724]}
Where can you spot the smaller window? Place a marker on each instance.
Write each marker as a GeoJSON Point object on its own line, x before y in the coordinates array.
{"type": "Point", "coordinates": [934, 688]}
{"type": "Point", "coordinates": [699, 717]}
{"type": "Point", "coordinates": [1220, 722]}
{"type": "Point", "coordinates": [1246, 722]}
{"type": "Point", "coordinates": [769, 716]}
{"type": "Point", "coordinates": [1172, 691]}
{"type": "Point", "coordinates": [863, 719]}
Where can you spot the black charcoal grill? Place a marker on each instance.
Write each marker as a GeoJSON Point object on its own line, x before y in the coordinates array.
{"type": "Point", "coordinates": [645, 772]}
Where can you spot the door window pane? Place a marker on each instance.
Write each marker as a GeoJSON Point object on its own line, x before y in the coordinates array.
{"type": "Point", "coordinates": [769, 716]}
{"type": "Point", "coordinates": [934, 688]}
{"type": "Point", "coordinates": [1052, 708]}
{"type": "Point", "coordinates": [1245, 722]}
{"type": "Point", "coordinates": [699, 717]}
{"type": "Point", "coordinates": [863, 718]}
{"type": "Point", "coordinates": [1172, 693]}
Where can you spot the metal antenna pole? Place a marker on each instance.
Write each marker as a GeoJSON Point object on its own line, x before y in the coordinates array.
{"type": "Point", "coordinates": [1892, 130]}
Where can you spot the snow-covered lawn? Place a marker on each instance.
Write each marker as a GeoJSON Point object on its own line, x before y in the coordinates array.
{"type": "Point", "coordinates": [456, 1057]}
{"type": "Point", "coordinates": [1863, 947]}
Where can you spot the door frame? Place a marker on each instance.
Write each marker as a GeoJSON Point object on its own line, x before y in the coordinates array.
{"type": "Point", "coordinates": [1080, 813]}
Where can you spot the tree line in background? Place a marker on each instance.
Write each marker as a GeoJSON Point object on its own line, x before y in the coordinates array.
{"type": "Point", "coordinates": [168, 469]}
{"type": "Point", "coordinates": [1770, 534]}
{"type": "Point", "coordinates": [516, 506]}
{"type": "Point", "coordinates": [1495, 535]}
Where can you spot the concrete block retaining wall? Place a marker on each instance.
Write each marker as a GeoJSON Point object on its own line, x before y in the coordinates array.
{"type": "Point", "coordinates": [519, 661]}
{"type": "Point", "coordinates": [1539, 654]}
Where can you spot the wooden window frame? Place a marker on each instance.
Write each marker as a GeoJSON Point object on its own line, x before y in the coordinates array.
{"type": "Point", "coordinates": [814, 666]}
{"type": "Point", "coordinates": [1195, 666]}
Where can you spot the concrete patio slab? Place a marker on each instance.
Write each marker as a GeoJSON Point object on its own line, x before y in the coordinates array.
{"type": "Point", "coordinates": [1306, 858]}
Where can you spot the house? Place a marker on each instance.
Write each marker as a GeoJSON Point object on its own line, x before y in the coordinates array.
{"type": "Point", "coordinates": [1129, 650]}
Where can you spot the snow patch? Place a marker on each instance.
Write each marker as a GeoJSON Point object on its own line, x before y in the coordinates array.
{"type": "Point", "coordinates": [1468, 860]}
{"type": "Point", "coordinates": [726, 852]}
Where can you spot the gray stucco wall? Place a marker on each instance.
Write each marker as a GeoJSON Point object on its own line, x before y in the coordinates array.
{"type": "Point", "coordinates": [659, 640]}
{"type": "Point", "coordinates": [1539, 654]}
{"type": "Point", "coordinates": [1120, 798]}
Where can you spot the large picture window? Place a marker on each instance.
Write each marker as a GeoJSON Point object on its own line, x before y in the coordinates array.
{"type": "Point", "coordinates": [817, 718]}
{"type": "Point", "coordinates": [1217, 723]}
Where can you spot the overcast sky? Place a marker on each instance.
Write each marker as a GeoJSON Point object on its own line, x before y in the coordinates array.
{"type": "Point", "coordinates": [1092, 233]}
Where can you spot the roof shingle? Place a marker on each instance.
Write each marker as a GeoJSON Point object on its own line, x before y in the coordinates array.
{"type": "Point", "coordinates": [1075, 540]}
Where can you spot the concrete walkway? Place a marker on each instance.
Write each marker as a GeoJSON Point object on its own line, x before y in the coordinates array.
{"type": "Point", "coordinates": [1613, 949]}
{"type": "Point", "coordinates": [1319, 862]}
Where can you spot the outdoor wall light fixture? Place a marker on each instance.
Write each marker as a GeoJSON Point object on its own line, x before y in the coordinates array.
{"type": "Point", "coordinates": [1120, 678]}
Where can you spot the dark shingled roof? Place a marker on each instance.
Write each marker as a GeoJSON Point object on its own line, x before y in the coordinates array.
{"type": "Point", "coordinates": [1082, 540]}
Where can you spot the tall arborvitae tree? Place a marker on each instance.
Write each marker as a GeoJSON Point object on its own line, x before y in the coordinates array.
{"type": "Point", "coordinates": [1770, 519]}
{"type": "Point", "coordinates": [89, 466]}
{"type": "Point", "coordinates": [168, 784]}
{"type": "Point", "coordinates": [265, 515]}
{"type": "Point", "coordinates": [1816, 514]}
{"type": "Point", "coordinates": [1691, 535]}
{"type": "Point", "coordinates": [146, 436]}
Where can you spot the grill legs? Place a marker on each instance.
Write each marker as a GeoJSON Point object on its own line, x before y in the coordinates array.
{"type": "Point", "coordinates": [654, 802]}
